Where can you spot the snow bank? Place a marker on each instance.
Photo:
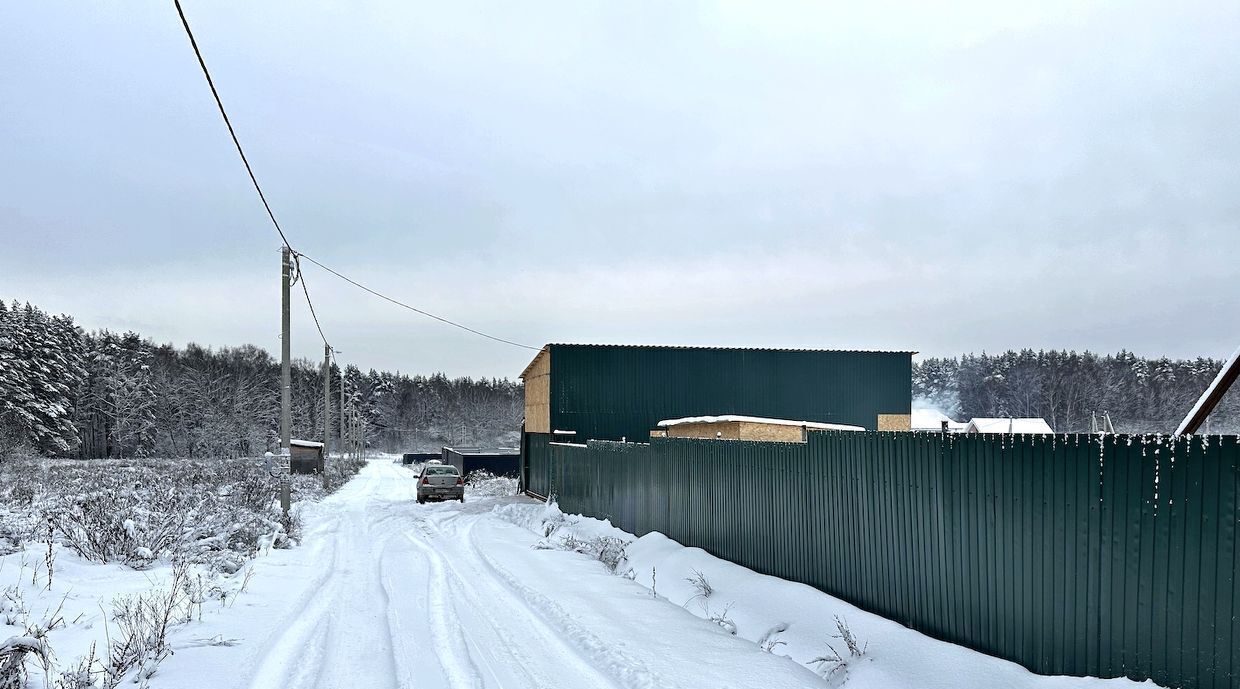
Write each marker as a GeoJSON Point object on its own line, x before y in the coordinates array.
{"type": "Point", "coordinates": [791, 619]}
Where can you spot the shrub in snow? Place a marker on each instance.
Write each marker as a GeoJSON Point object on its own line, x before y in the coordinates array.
{"type": "Point", "coordinates": [722, 619]}
{"type": "Point", "coordinates": [81, 675]}
{"type": "Point", "coordinates": [13, 654]}
{"type": "Point", "coordinates": [217, 512]}
{"type": "Point", "coordinates": [484, 484]}
{"type": "Point", "coordinates": [138, 633]}
{"type": "Point", "coordinates": [608, 550]}
{"type": "Point", "coordinates": [13, 608]}
{"type": "Point", "coordinates": [31, 644]}
{"type": "Point", "coordinates": [699, 583]}
{"type": "Point", "coordinates": [831, 665]}
{"type": "Point", "coordinates": [770, 640]}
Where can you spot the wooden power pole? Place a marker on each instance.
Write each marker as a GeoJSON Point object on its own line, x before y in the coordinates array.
{"type": "Point", "coordinates": [286, 382]}
{"type": "Point", "coordinates": [341, 448]}
{"type": "Point", "coordinates": [327, 397]}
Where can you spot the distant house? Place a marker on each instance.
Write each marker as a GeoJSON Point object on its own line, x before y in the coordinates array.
{"type": "Point", "coordinates": [932, 420]}
{"type": "Point", "coordinates": [1009, 425]}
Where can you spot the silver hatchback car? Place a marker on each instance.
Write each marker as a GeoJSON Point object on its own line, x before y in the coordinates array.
{"type": "Point", "coordinates": [440, 482]}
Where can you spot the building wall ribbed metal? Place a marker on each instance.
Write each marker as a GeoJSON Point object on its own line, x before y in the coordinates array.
{"type": "Point", "coordinates": [611, 392]}
{"type": "Point", "coordinates": [1081, 555]}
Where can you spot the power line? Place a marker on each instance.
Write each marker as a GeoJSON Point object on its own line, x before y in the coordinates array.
{"type": "Point", "coordinates": [246, 161]}
{"type": "Point", "coordinates": [253, 179]}
{"type": "Point", "coordinates": [301, 277]}
{"type": "Point", "coordinates": [223, 113]}
{"type": "Point", "coordinates": [415, 309]}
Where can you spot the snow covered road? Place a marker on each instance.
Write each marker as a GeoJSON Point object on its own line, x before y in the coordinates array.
{"type": "Point", "coordinates": [387, 593]}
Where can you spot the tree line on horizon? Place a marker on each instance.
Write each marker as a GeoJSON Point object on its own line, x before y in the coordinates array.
{"type": "Point", "coordinates": [1067, 388]}
{"type": "Point", "coordinates": [66, 392]}
{"type": "Point", "coordinates": [71, 393]}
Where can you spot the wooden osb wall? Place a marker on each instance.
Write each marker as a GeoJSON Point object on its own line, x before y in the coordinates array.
{"type": "Point", "coordinates": [772, 433]}
{"type": "Point", "coordinates": [895, 422]}
{"type": "Point", "coordinates": [727, 431]}
{"type": "Point", "coordinates": [538, 394]}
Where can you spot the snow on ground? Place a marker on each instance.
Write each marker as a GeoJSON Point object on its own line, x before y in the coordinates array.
{"type": "Point", "coordinates": [504, 591]}
{"type": "Point", "coordinates": [387, 593]}
{"type": "Point", "coordinates": [792, 619]}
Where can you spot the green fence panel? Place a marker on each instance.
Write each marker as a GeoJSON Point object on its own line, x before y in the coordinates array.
{"type": "Point", "coordinates": [1070, 554]}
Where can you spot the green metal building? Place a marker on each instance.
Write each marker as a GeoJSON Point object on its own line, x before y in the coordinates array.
{"type": "Point", "coordinates": [614, 392]}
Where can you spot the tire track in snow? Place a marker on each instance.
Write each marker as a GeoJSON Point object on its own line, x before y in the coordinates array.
{"type": "Point", "coordinates": [449, 638]}
{"type": "Point", "coordinates": [307, 638]}
{"type": "Point", "coordinates": [580, 652]}
{"type": "Point", "coordinates": [502, 662]}
{"type": "Point", "coordinates": [282, 659]}
{"type": "Point", "coordinates": [625, 669]}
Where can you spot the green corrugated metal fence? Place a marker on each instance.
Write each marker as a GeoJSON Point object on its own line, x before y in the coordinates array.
{"type": "Point", "coordinates": [1070, 554]}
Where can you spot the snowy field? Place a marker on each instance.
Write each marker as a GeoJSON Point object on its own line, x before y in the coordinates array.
{"type": "Point", "coordinates": [501, 591]}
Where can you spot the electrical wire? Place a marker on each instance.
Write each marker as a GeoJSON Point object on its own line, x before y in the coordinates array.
{"type": "Point", "coordinates": [271, 214]}
{"type": "Point", "coordinates": [301, 276]}
{"type": "Point", "coordinates": [232, 132]}
{"type": "Point", "coordinates": [415, 309]}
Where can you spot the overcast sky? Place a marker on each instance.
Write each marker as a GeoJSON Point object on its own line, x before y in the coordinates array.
{"type": "Point", "coordinates": [874, 175]}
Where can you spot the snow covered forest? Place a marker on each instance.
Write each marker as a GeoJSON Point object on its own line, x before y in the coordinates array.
{"type": "Point", "coordinates": [1142, 395]}
{"type": "Point", "coordinates": [70, 393]}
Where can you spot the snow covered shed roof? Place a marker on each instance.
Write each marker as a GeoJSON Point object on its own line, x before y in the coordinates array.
{"type": "Point", "coordinates": [932, 420]}
{"type": "Point", "coordinates": [304, 443]}
{"type": "Point", "coordinates": [734, 418]}
{"type": "Point", "coordinates": [1009, 425]}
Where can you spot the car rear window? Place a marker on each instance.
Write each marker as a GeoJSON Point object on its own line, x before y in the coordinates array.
{"type": "Point", "coordinates": [441, 471]}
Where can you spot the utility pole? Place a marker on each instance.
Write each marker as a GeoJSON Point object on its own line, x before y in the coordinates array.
{"type": "Point", "coordinates": [327, 397]}
{"type": "Point", "coordinates": [342, 412]}
{"type": "Point", "coordinates": [327, 408]}
{"type": "Point", "coordinates": [286, 383]}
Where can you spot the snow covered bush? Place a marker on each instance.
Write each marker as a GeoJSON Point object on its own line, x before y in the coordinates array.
{"type": "Point", "coordinates": [483, 484]}
{"type": "Point", "coordinates": [13, 608]}
{"type": "Point", "coordinates": [700, 584]}
{"type": "Point", "coordinates": [217, 512]}
{"type": "Point", "coordinates": [13, 654]}
{"type": "Point", "coordinates": [831, 665]}
{"type": "Point", "coordinates": [608, 550]}
{"type": "Point", "coordinates": [142, 623]}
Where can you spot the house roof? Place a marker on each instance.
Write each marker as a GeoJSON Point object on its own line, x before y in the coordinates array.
{"type": "Point", "coordinates": [1008, 425]}
{"type": "Point", "coordinates": [932, 420]}
{"type": "Point", "coordinates": [304, 443]}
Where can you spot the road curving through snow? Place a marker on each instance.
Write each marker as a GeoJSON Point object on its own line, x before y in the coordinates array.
{"type": "Point", "coordinates": [385, 593]}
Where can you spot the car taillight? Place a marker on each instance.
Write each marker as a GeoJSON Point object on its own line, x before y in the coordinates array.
{"type": "Point", "coordinates": [426, 481]}
{"type": "Point", "coordinates": [460, 481]}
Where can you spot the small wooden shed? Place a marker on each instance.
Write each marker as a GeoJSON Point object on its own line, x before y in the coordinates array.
{"type": "Point", "coordinates": [305, 457]}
